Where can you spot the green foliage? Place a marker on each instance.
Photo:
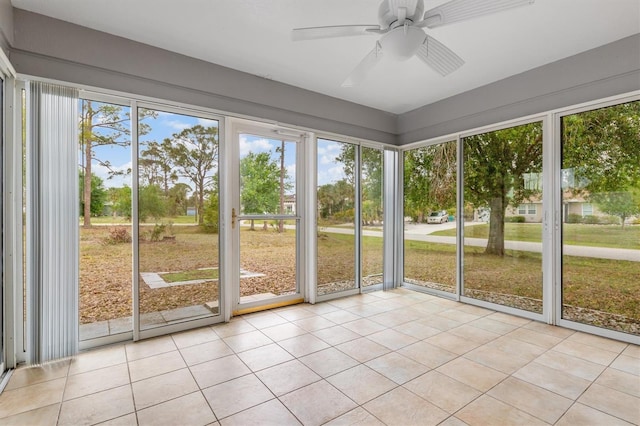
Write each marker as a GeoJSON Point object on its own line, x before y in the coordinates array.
{"type": "Point", "coordinates": [211, 214]}
{"type": "Point", "coordinates": [590, 220]}
{"type": "Point", "coordinates": [334, 198]}
{"type": "Point", "coordinates": [601, 149]}
{"type": "Point", "coordinates": [120, 199]}
{"type": "Point", "coordinates": [151, 203]}
{"type": "Point", "coordinates": [347, 215]}
{"type": "Point", "coordinates": [371, 172]}
{"type": "Point", "coordinates": [574, 218]}
{"type": "Point", "coordinates": [177, 199]}
{"type": "Point", "coordinates": [259, 184]}
{"type": "Point", "coordinates": [621, 204]}
{"type": "Point", "coordinates": [98, 195]}
{"type": "Point", "coordinates": [429, 180]}
{"type": "Point", "coordinates": [157, 232]}
{"type": "Point", "coordinates": [515, 219]}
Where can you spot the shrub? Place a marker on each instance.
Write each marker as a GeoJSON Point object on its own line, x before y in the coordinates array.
{"type": "Point", "coordinates": [344, 216]}
{"type": "Point", "coordinates": [157, 232]}
{"type": "Point", "coordinates": [574, 218]}
{"type": "Point", "coordinates": [610, 220]}
{"type": "Point", "coordinates": [515, 219]}
{"type": "Point", "coordinates": [118, 236]}
{"type": "Point", "coordinates": [591, 220]}
{"type": "Point", "coordinates": [211, 215]}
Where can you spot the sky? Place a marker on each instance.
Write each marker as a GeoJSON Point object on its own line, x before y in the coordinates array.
{"type": "Point", "coordinates": [166, 124]}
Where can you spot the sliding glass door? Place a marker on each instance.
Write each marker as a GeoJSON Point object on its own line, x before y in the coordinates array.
{"type": "Point", "coordinates": [106, 248]}
{"type": "Point", "coordinates": [178, 265]}
{"type": "Point", "coordinates": [503, 201]}
{"type": "Point", "coordinates": [336, 218]}
{"type": "Point", "coordinates": [600, 211]}
{"type": "Point", "coordinates": [429, 223]}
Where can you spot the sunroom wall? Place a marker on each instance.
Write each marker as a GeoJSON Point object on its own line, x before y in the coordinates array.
{"type": "Point", "coordinates": [50, 48]}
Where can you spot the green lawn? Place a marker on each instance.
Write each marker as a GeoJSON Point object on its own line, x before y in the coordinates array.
{"type": "Point", "coordinates": [574, 234]}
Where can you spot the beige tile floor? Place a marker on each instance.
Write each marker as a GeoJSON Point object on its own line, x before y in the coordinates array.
{"type": "Point", "coordinates": [395, 358]}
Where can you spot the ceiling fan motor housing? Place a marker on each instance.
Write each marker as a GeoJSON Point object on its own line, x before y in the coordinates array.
{"type": "Point", "coordinates": [387, 14]}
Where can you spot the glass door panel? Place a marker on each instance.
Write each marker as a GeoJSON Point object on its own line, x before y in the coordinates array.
{"type": "Point", "coordinates": [106, 249]}
{"type": "Point", "coordinates": [429, 217]}
{"type": "Point", "coordinates": [178, 261]}
{"type": "Point", "coordinates": [336, 238]}
{"type": "Point", "coordinates": [600, 186]}
{"type": "Point", "coordinates": [372, 210]}
{"type": "Point", "coordinates": [503, 217]}
{"type": "Point", "coordinates": [268, 220]}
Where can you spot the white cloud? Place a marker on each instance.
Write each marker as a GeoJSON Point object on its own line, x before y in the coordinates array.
{"type": "Point", "coordinates": [177, 125]}
{"type": "Point", "coordinates": [256, 146]}
{"type": "Point", "coordinates": [116, 181]}
{"type": "Point", "coordinates": [330, 175]}
{"type": "Point", "coordinates": [205, 122]}
{"type": "Point", "coordinates": [291, 172]}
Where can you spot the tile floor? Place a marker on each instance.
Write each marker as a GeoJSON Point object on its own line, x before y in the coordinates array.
{"type": "Point", "coordinates": [395, 358]}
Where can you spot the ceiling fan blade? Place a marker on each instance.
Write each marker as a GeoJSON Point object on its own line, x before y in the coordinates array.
{"type": "Point", "coordinates": [460, 10]}
{"type": "Point", "coordinates": [313, 33]}
{"type": "Point", "coordinates": [438, 56]}
{"type": "Point", "coordinates": [360, 72]}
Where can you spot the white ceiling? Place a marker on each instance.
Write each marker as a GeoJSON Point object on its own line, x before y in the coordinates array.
{"type": "Point", "coordinates": [254, 36]}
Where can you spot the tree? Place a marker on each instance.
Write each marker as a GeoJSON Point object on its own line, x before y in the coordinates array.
{"type": "Point", "coordinates": [623, 204]}
{"type": "Point", "coordinates": [371, 175]}
{"type": "Point", "coordinates": [259, 184]}
{"type": "Point", "coordinates": [177, 199]}
{"type": "Point", "coordinates": [103, 124]}
{"type": "Point", "coordinates": [194, 153]}
{"type": "Point", "coordinates": [155, 166]}
{"type": "Point", "coordinates": [495, 164]}
{"type": "Point", "coordinates": [97, 198]}
{"type": "Point", "coordinates": [121, 201]}
{"type": "Point", "coordinates": [151, 202]}
{"type": "Point", "coordinates": [335, 199]}
{"type": "Point", "coordinates": [602, 148]}
{"type": "Point", "coordinates": [429, 179]}
{"type": "Point", "coordinates": [211, 213]}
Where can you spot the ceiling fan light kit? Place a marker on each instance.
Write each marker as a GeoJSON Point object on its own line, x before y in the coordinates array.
{"type": "Point", "coordinates": [401, 27]}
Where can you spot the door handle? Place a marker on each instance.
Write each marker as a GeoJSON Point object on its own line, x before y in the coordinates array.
{"type": "Point", "coordinates": [234, 216]}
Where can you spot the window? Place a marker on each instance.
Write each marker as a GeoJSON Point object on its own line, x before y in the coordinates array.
{"type": "Point", "coordinates": [587, 209]}
{"type": "Point", "coordinates": [527, 209]}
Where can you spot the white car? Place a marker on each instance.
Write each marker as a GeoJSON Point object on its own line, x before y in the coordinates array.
{"type": "Point", "coordinates": [438, 217]}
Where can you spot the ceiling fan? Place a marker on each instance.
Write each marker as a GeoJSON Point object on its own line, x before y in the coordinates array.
{"type": "Point", "coordinates": [401, 27]}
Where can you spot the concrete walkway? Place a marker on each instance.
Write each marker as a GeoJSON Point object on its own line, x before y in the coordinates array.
{"type": "Point", "coordinates": [422, 232]}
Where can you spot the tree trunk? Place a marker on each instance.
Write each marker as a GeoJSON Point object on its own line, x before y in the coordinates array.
{"type": "Point", "coordinates": [87, 185]}
{"type": "Point", "coordinates": [252, 228]}
{"type": "Point", "coordinates": [200, 211]}
{"type": "Point", "coordinates": [495, 243]}
{"type": "Point", "coordinates": [265, 227]}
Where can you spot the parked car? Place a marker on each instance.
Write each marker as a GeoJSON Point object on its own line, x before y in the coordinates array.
{"type": "Point", "coordinates": [438, 217]}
